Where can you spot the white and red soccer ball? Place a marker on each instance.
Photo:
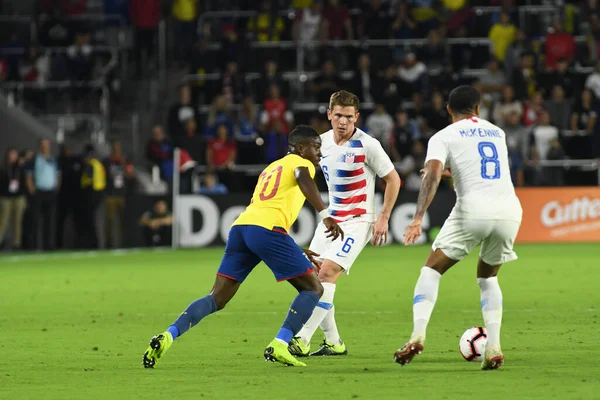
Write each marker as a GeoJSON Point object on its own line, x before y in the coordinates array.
{"type": "Point", "coordinates": [472, 343]}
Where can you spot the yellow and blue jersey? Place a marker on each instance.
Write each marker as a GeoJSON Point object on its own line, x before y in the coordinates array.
{"type": "Point", "coordinates": [277, 198]}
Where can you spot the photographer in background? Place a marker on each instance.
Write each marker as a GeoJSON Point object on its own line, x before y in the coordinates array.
{"type": "Point", "coordinates": [93, 184]}
{"type": "Point", "coordinates": [157, 224]}
{"type": "Point", "coordinates": [43, 180]}
{"type": "Point", "coordinates": [12, 198]}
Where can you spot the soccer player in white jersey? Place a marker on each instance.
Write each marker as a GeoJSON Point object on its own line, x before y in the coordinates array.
{"type": "Point", "coordinates": [351, 162]}
{"type": "Point", "coordinates": [487, 211]}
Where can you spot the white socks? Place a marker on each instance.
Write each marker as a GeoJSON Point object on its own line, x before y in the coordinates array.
{"type": "Point", "coordinates": [330, 329]}
{"type": "Point", "coordinates": [426, 292]}
{"type": "Point", "coordinates": [323, 308]}
{"type": "Point", "coordinates": [491, 308]}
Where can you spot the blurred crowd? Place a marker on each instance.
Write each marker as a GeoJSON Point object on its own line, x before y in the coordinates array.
{"type": "Point", "coordinates": [538, 82]}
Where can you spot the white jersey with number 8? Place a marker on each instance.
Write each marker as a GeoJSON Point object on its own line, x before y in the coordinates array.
{"type": "Point", "coordinates": [475, 151]}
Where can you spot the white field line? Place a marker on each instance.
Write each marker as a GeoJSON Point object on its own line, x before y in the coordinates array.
{"type": "Point", "coordinates": [37, 256]}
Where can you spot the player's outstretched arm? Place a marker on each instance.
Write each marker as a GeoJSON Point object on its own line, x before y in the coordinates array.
{"type": "Point", "coordinates": [392, 187]}
{"type": "Point", "coordinates": [429, 185]}
{"type": "Point", "coordinates": [311, 192]}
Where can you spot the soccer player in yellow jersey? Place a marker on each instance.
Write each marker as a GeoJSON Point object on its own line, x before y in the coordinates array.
{"type": "Point", "coordinates": [261, 234]}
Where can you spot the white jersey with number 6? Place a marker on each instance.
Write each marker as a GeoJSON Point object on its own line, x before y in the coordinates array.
{"type": "Point", "coordinates": [475, 151]}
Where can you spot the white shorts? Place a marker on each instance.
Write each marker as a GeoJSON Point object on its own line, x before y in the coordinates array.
{"type": "Point", "coordinates": [458, 237]}
{"type": "Point", "coordinates": [342, 252]}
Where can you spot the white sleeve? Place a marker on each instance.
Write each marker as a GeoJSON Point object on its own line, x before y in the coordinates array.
{"type": "Point", "coordinates": [437, 150]}
{"type": "Point", "coordinates": [377, 159]}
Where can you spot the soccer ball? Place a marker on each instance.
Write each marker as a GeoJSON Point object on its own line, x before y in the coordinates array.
{"type": "Point", "coordinates": [472, 343]}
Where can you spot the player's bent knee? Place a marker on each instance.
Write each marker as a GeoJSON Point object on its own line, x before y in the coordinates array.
{"type": "Point", "coordinates": [330, 272]}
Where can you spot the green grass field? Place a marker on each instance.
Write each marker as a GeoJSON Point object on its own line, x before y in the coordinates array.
{"type": "Point", "coordinates": [74, 326]}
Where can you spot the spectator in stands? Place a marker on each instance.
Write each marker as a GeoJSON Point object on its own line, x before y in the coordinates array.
{"type": "Point", "coordinates": [517, 168]}
{"type": "Point", "coordinates": [120, 176]}
{"type": "Point", "coordinates": [559, 44]}
{"type": "Point", "coordinates": [234, 47]}
{"type": "Point", "coordinates": [93, 185]}
{"type": "Point", "coordinates": [12, 198]}
{"type": "Point", "coordinates": [181, 112]}
{"type": "Point", "coordinates": [159, 151]}
{"type": "Point", "coordinates": [157, 224]}
{"type": "Point", "coordinates": [533, 109]}
{"type": "Point", "coordinates": [592, 82]}
{"type": "Point", "coordinates": [375, 22]}
{"type": "Point", "coordinates": [462, 55]}
{"type": "Point", "coordinates": [326, 83]}
{"type": "Point", "coordinates": [211, 186]}
{"type": "Point", "coordinates": [145, 15]}
{"type": "Point", "coordinates": [502, 35]}
{"type": "Point", "coordinates": [80, 57]}
{"type": "Point", "coordinates": [365, 80]}
{"type": "Point", "coordinates": [43, 180]}
{"type": "Point", "coordinates": [337, 21]}
{"type": "Point", "coordinates": [380, 125]}
{"type": "Point", "coordinates": [410, 167]}
{"type": "Point", "coordinates": [524, 77]}
{"type": "Point", "coordinates": [561, 75]}
{"type": "Point", "coordinates": [34, 67]}
{"type": "Point", "coordinates": [517, 136]}
{"type": "Point", "coordinates": [266, 26]}
{"type": "Point", "coordinates": [402, 136]}
{"type": "Point", "coordinates": [69, 196]}
{"type": "Point", "coordinates": [515, 50]}
{"type": "Point", "coordinates": [583, 118]}
{"type": "Point", "coordinates": [54, 31]}
{"type": "Point", "coordinates": [447, 80]}
{"type": "Point", "coordinates": [487, 101]}
{"type": "Point", "coordinates": [436, 115]}
{"type": "Point", "coordinates": [413, 73]}
{"type": "Point", "coordinates": [276, 141]}
{"type": "Point", "coordinates": [403, 26]}
{"type": "Point", "coordinates": [542, 137]}
{"type": "Point", "coordinates": [424, 13]}
{"type": "Point", "coordinates": [270, 76]}
{"type": "Point", "coordinates": [435, 51]}
{"type": "Point", "coordinates": [218, 115]}
{"type": "Point", "coordinates": [246, 134]}
{"type": "Point", "coordinates": [389, 91]}
{"type": "Point", "coordinates": [220, 154]}
{"type": "Point", "coordinates": [493, 80]}
{"type": "Point", "coordinates": [505, 106]}
{"type": "Point", "coordinates": [309, 24]}
{"type": "Point", "coordinates": [276, 111]}
{"type": "Point", "coordinates": [185, 14]}
{"type": "Point", "coordinates": [193, 142]}
{"type": "Point", "coordinates": [202, 62]}
{"type": "Point", "coordinates": [233, 84]}
{"type": "Point", "coordinates": [559, 108]}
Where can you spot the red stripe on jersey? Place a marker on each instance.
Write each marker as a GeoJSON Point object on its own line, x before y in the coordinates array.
{"type": "Point", "coordinates": [351, 200]}
{"type": "Point", "coordinates": [346, 213]}
{"type": "Point", "coordinates": [360, 158]}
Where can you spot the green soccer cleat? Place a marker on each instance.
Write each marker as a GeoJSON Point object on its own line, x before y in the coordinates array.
{"type": "Point", "coordinates": [278, 352]}
{"type": "Point", "coordinates": [330, 349]}
{"type": "Point", "coordinates": [297, 348]}
{"type": "Point", "coordinates": [159, 345]}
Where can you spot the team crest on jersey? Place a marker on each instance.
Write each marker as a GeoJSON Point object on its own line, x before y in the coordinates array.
{"type": "Point", "coordinates": [349, 158]}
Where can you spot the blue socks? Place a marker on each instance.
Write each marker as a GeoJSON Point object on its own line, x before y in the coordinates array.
{"type": "Point", "coordinates": [197, 310]}
{"type": "Point", "coordinates": [300, 311]}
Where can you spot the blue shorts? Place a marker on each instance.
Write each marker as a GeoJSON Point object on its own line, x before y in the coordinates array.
{"type": "Point", "coordinates": [247, 245]}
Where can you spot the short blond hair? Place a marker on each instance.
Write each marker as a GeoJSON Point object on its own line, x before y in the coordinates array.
{"type": "Point", "coordinates": [343, 98]}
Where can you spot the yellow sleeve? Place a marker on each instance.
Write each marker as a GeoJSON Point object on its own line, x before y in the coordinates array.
{"type": "Point", "coordinates": [303, 162]}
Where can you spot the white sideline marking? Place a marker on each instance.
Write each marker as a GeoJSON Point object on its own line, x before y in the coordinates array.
{"type": "Point", "coordinates": [35, 256]}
